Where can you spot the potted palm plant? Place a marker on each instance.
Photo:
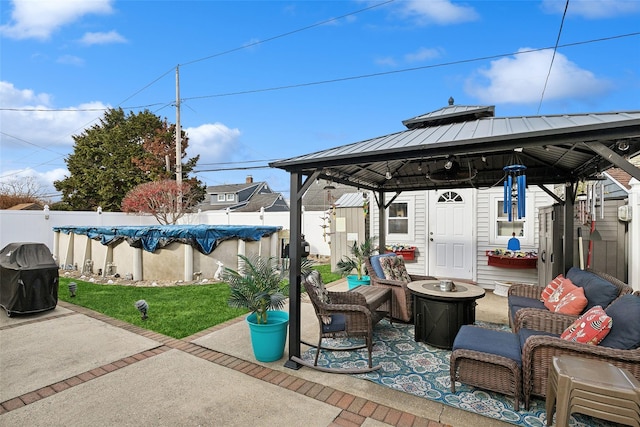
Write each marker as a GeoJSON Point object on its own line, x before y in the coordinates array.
{"type": "Point", "coordinates": [260, 288]}
{"type": "Point", "coordinates": [356, 262]}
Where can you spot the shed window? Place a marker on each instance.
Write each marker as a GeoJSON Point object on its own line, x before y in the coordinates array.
{"type": "Point", "coordinates": [504, 228]}
{"type": "Point", "coordinates": [221, 197]}
{"type": "Point", "coordinates": [230, 197]}
{"type": "Point", "coordinates": [398, 218]}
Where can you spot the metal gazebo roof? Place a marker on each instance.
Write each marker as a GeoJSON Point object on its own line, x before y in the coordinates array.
{"type": "Point", "coordinates": [554, 148]}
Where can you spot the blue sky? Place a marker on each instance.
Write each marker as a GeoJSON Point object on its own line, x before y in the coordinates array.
{"type": "Point", "coordinates": [264, 80]}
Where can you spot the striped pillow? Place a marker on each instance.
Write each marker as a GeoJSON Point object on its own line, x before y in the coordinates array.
{"type": "Point", "coordinates": [590, 328]}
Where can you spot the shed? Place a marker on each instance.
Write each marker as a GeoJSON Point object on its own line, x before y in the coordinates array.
{"type": "Point", "coordinates": [349, 222]}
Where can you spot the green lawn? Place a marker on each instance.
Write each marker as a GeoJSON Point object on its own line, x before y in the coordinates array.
{"type": "Point", "coordinates": [175, 311]}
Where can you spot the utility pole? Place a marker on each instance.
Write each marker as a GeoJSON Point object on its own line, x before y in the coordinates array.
{"type": "Point", "coordinates": [178, 142]}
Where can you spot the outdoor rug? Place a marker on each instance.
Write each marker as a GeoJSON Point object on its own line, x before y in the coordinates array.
{"type": "Point", "coordinates": [416, 368]}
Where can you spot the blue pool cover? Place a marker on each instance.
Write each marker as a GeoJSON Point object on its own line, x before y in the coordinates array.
{"type": "Point", "coordinates": [205, 238]}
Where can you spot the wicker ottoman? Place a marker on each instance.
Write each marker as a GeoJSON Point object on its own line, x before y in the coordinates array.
{"type": "Point", "coordinates": [488, 359]}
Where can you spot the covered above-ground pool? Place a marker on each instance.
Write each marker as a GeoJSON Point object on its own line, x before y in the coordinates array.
{"type": "Point", "coordinates": [161, 252]}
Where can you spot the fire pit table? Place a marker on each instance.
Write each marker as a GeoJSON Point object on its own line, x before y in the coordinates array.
{"type": "Point", "coordinates": [438, 314]}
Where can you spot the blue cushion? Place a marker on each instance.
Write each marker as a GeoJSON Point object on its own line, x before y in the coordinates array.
{"type": "Point", "coordinates": [597, 290]}
{"type": "Point", "coordinates": [338, 324]}
{"type": "Point", "coordinates": [375, 263]}
{"type": "Point", "coordinates": [517, 302]}
{"type": "Point", "coordinates": [491, 341]}
{"type": "Point", "coordinates": [525, 333]}
{"type": "Point", "coordinates": [625, 325]}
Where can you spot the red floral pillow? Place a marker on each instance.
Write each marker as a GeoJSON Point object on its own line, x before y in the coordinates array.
{"type": "Point", "coordinates": [573, 302]}
{"type": "Point", "coordinates": [590, 328]}
{"type": "Point", "coordinates": [555, 291]}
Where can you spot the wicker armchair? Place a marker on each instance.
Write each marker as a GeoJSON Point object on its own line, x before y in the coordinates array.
{"type": "Point", "coordinates": [402, 305]}
{"type": "Point", "coordinates": [353, 313]}
{"type": "Point", "coordinates": [538, 350]}
{"type": "Point", "coordinates": [534, 292]}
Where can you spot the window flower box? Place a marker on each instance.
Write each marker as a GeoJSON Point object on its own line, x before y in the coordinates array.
{"type": "Point", "coordinates": [407, 252]}
{"type": "Point", "coordinates": [507, 259]}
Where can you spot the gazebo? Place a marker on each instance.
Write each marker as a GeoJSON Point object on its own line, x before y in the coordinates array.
{"type": "Point", "coordinates": [464, 147]}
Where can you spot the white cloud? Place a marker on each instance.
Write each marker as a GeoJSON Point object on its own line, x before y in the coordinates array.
{"type": "Point", "coordinates": [387, 61]}
{"type": "Point", "coordinates": [40, 18]}
{"type": "Point", "coordinates": [438, 11]}
{"type": "Point", "coordinates": [10, 97]}
{"type": "Point", "coordinates": [422, 54]}
{"type": "Point", "coordinates": [102, 38]}
{"type": "Point", "coordinates": [593, 9]}
{"type": "Point", "coordinates": [520, 80]}
{"type": "Point", "coordinates": [213, 142]}
{"type": "Point", "coordinates": [70, 60]}
{"type": "Point", "coordinates": [36, 121]}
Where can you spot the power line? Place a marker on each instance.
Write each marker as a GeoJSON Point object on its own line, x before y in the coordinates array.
{"type": "Point", "coordinates": [553, 57]}
{"type": "Point", "coordinates": [405, 70]}
{"type": "Point", "coordinates": [30, 143]}
{"type": "Point", "coordinates": [242, 162]}
{"type": "Point", "coordinates": [232, 169]}
{"type": "Point", "coordinates": [308, 27]}
{"type": "Point", "coordinates": [48, 110]}
{"type": "Point", "coordinates": [384, 73]}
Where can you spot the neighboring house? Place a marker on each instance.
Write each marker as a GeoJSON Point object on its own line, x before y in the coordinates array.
{"type": "Point", "coordinates": [617, 182]}
{"type": "Point", "coordinates": [323, 195]}
{"type": "Point", "coordinates": [247, 197]}
{"type": "Point", "coordinates": [26, 207]}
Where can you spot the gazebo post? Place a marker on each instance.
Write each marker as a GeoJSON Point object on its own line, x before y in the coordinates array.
{"type": "Point", "coordinates": [382, 223]}
{"type": "Point", "coordinates": [297, 190]}
{"type": "Point", "coordinates": [294, 270]}
{"type": "Point", "coordinates": [570, 195]}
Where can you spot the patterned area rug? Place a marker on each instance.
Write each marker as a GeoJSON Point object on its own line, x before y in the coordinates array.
{"type": "Point", "coordinates": [421, 370]}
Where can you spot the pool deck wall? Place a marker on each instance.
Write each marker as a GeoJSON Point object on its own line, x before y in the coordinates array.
{"type": "Point", "coordinates": [176, 261]}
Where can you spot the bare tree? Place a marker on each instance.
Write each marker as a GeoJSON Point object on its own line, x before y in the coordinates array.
{"type": "Point", "coordinates": [18, 190]}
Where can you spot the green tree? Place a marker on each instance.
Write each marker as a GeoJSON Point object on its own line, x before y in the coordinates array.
{"type": "Point", "coordinates": [117, 154]}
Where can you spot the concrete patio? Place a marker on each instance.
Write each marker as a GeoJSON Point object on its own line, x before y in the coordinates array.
{"type": "Point", "coordinates": [75, 367]}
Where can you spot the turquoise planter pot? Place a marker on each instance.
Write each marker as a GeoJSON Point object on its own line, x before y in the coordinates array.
{"type": "Point", "coordinates": [353, 281]}
{"type": "Point", "coordinates": [268, 339]}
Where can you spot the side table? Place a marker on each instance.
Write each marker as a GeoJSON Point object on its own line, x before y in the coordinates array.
{"type": "Point", "coordinates": [591, 387]}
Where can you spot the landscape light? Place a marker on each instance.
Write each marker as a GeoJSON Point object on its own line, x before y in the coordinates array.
{"type": "Point", "coordinates": [142, 307]}
{"type": "Point", "coordinates": [73, 287]}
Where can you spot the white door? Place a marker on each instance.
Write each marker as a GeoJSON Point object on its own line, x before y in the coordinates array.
{"type": "Point", "coordinates": [451, 234]}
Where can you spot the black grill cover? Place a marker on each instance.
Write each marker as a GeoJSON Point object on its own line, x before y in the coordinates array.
{"type": "Point", "coordinates": [28, 278]}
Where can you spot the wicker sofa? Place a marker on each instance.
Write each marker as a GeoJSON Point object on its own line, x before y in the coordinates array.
{"type": "Point", "coordinates": [540, 331]}
{"type": "Point", "coordinates": [518, 363]}
{"type": "Point", "coordinates": [596, 290]}
{"type": "Point", "coordinates": [402, 303]}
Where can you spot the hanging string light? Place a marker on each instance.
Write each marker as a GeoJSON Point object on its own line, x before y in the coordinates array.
{"type": "Point", "coordinates": [515, 185]}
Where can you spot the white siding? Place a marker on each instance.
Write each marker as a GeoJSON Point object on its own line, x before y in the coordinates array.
{"type": "Point", "coordinates": [485, 275]}
{"type": "Point", "coordinates": [488, 274]}
{"type": "Point", "coordinates": [418, 199]}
